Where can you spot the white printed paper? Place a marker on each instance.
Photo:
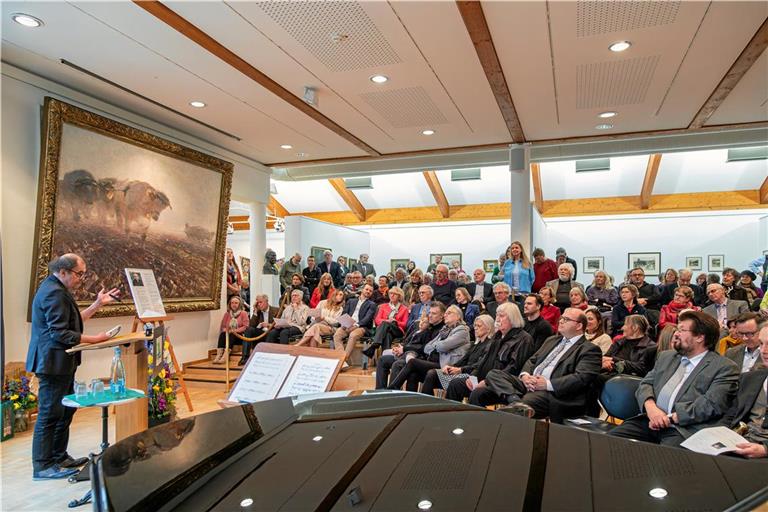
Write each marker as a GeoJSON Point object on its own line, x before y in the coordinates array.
{"type": "Point", "coordinates": [146, 295]}
{"type": "Point", "coordinates": [713, 441]}
{"type": "Point", "coordinates": [282, 322]}
{"type": "Point", "coordinates": [346, 321]}
{"type": "Point", "coordinates": [309, 375]}
{"type": "Point", "coordinates": [473, 380]}
{"type": "Point", "coordinates": [315, 313]}
{"type": "Point", "coordinates": [261, 378]}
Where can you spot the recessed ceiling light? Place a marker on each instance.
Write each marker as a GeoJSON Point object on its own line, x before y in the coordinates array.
{"type": "Point", "coordinates": [379, 79]}
{"type": "Point", "coordinates": [457, 431]}
{"type": "Point", "coordinates": [606, 115]}
{"type": "Point", "coordinates": [604, 126]}
{"type": "Point", "coordinates": [428, 132]}
{"type": "Point", "coordinates": [301, 155]}
{"type": "Point", "coordinates": [26, 20]}
{"type": "Point", "coordinates": [619, 46]}
{"type": "Point", "coordinates": [658, 493]}
{"type": "Point", "coordinates": [317, 438]}
{"type": "Point", "coordinates": [197, 104]}
{"type": "Point", "coordinates": [247, 502]}
{"type": "Point", "coordinates": [286, 146]}
{"type": "Point", "coordinates": [424, 505]}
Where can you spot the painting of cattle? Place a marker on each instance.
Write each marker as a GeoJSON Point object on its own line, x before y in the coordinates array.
{"type": "Point", "coordinates": [122, 197]}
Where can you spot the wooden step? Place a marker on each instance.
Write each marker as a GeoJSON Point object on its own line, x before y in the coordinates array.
{"type": "Point", "coordinates": [209, 376]}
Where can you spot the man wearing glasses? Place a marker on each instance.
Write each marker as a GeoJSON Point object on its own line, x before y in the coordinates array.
{"type": "Point", "coordinates": [444, 290]}
{"type": "Point", "coordinates": [57, 325]}
{"type": "Point", "coordinates": [747, 355]}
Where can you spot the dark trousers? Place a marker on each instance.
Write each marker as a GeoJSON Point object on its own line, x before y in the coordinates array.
{"type": "Point", "coordinates": [386, 366]}
{"type": "Point", "coordinates": [233, 340]}
{"type": "Point", "coordinates": [457, 390]}
{"type": "Point", "coordinates": [281, 335]}
{"type": "Point", "coordinates": [51, 436]}
{"type": "Point", "coordinates": [387, 332]}
{"type": "Point", "coordinates": [251, 332]}
{"type": "Point", "coordinates": [637, 428]}
{"type": "Point", "coordinates": [431, 382]}
{"type": "Point", "coordinates": [414, 372]}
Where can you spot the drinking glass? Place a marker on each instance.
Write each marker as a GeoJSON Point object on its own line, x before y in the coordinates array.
{"type": "Point", "coordinates": [97, 388]}
{"type": "Point", "coordinates": [81, 390]}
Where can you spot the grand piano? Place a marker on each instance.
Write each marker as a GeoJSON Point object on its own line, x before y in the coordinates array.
{"type": "Point", "coordinates": [395, 451]}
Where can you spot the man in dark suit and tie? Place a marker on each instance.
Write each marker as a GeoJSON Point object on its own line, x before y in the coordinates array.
{"type": "Point", "coordinates": [333, 268]}
{"type": "Point", "coordinates": [555, 382]}
{"type": "Point", "coordinates": [689, 388]}
{"type": "Point", "coordinates": [747, 355]}
{"type": "Point", "coordinates": [749, 411]}
{"type": "Point", "coordinates": [57, 325]}
{"type": "Point", "coordinates": [362, 266]}
{"type": "Point", "coordinates": [480, 290]}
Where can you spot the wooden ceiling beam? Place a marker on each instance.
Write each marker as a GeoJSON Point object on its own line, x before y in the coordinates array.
{"type": "Point", "coordinates": [276, 208]}
{"type": "Point", "coordinates": [763, 195]}
{"type": "Point", "coordinates": [477, 27]}
{"type": "Point", "coordinates": [348, 197]}
{"type": "Point", "coordinates": [538, 195]}
{"type": "Point", "coordinates": [192, 32]}
{"type": "Point", "coordinates": [467, 212]}
{"type": "Point", "coordinates": [743, 63]}
{"type": "Point", "coordinates": [437, 192]}
{"type": "Point", "coordinates": [651, 170]}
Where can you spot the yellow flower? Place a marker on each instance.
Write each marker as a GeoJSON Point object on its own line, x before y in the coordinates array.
{"type": "Point", "coordinates": [32, 398]}
{"type": "Point", "coordinates": [166, 344]}
{"type": "Point", "coordinates": [168, 390]}
{"type": "Point", "coordinates": [16, 405]}
{"type": "Point", "coordinates": [150, 359]}
{"type": "Point", "coordinates": [14, 397]}
{"type": "Point", "coordinates": [156, 388]}
{"type": "Point", "coordinates": [162, 373]}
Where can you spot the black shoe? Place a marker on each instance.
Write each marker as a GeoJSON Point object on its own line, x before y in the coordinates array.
{"type": "Point", "coordinates": [371, 350]}
{"type": "Point", "coordinates": [519, 409]}
{"type": "Point", "coordinates": [54, 472]}
{"type": "Point", "coordinates": [71, 462]}
{"type": "Point", "coordinates": [242, 362]}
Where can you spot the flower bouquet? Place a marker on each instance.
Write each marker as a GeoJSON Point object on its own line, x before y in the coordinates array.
{"type": "Point", "coordinates": [162, 390]}
{"type": "Point", "coordinates": [22, 399]}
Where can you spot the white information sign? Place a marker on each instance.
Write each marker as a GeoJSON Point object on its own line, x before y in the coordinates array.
{"type": "Point", "coordinates": [262, 377]}
{"type": "Point", "coordinates": [146, 295]}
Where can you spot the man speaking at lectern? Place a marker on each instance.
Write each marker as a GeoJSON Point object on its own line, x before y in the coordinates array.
{"type": "Point", "coordinates": [57, 326]}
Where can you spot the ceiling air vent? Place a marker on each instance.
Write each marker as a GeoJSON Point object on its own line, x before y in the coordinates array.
{"type": "Point", "coordinates": [596, 164]}
{"type": "Point", "coordinates": [744, 154]}
{"type": "Point", "coordinates": [465, 174]}
{"type": "Point", "coordinates": [358, 183]}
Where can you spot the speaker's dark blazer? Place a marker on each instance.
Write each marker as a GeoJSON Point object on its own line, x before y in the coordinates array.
{"type": "Point", "coordinates": [487, 291]}
{"type": "Point", "coordinates": [56, 327]}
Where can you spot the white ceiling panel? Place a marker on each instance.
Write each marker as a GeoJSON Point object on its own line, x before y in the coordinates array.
{"type": "Point", "coordinates": [309, 196]}
{"type": "Point", "coordinates": [625, 178]}
{"type": "Point", "coordinates": [748, 101]}
{"type": "Point", "coordinates": [406, 190]}
{"type": "Point", "coordinates": [707, 171]}
{"type": "Point", "coordinates": [492, 187]}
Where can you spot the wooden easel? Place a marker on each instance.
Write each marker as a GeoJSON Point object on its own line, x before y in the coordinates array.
{"type": "Point", "coordinates": [138, 323]}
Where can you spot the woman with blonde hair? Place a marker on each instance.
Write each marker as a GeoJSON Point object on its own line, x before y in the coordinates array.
{"type": "Point", "coordinates": [602, 292]}
{"type": "Point", "coordinates": [390, 321]}
{"type": "Point", "coordinates": [327, 323]}
{"type": "Point", "coordinates": [518, 271]}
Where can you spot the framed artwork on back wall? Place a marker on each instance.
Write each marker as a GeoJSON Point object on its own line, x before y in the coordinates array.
{"type": "Point", "coordinates": [593, 263]}
{"type": "Point", "coordinates": [650, 262]}
{"type": "Point", "coordinates": [693, 262]}
{"type": "Point", "coordinates": [716, 262]}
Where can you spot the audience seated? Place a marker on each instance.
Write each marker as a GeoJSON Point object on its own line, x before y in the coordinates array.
{"type": "Point", "coordinates": [747, 355]}
{"type": "Point", "coordinates": [549, 311]}
{"type": "Point", "coordinates": [561, 287]}
{"type": "Point", "coordinates": [510, 347]}
{"type": "Point", "coordinates": [561, 256]}
{"type": "Point", "coordinates": [595, 331]}
{"type": "Point", "coordinates": [296, 314]}
{"type": "Point", "coordinates": [628, 306]}
{"type": "Point", "coordinates": [748, 414]}
{"type": "Point", "coordinates": [480, 291]}
{"type": "Point", "coordinates": [518, 271]}
{"type": "Point", "coordinates": [445, 349]}
{"type": "Point", "coordinates": [235, 320]}
{"type": "Point", "coordinates": [632, 354]}
{"type": "Point", "coordinates": [261, 321]}
{"type": "Point", "coordinates": [730, 340]}
{"type": "Point", "coordinates": [362, 310]}
{"type": "Point", "coordinates": [311, 275]}
{"type": "Point", "coordinates": [701, 280]}
{"type": "Point", "coordinates": [730, 282]}
{"type": "Point", "coordinates": [556, 381]}
{"type": "Point", "coordinates": [535, 324]}
{"type": "Point", "coordinates": [453, 275]}
{"type": "Point", "coordinates": [667, 292]}
{"type": "Point", "coordinates": [328, 321]}
{"type": "Point", "coordinates": [544, 269]}
{"type": "Point", "coordinates": [381, 294]}
{"type": "Point", "coordinates": [366, 269]}
{"type": "Point", "coordinates": [296, 283]}
{"type": "Point", "coordinates": [420, 308]}
{"type": "Point", "coordinates": [601, 292]}
{"type": "Point", "coordinates": [443, 289]}
{"type": "Point", "coordinates": [428, 325]}
{"type": "Point", "coordinates": [390, 322]}
{"type": "Point", "coordinates": [722, 307]}
{"type": "Point", "coordinates": [648, 295]}
{"type": "Point", "coordinates": [578, 299]}
{"type": "Point", "coordinates": [688, 389]}
{"type": "Point", "coordinates": [468, 310]}
{"type": "Point", "coordinates": [747, 283]}
{"type": "Point", "coordinates": [291, 266]}
{"type": "Point", "coordinates": [333, 268]}
{"type": "Point", "coordinates": [323, 291]}
{"type": "Point", "coordinates": [501, 293]}
{"type": "Point", "coordinates": [669, 277]}
{"type": "Point", "coordinates": [400, 279]}
{"type": "Point", "coordinates": [352, 289]}
{"type": "Point", "coordinates": [682, 300]}
{"type": "Point", "coordinates": [411, 288]}
{"type": "Point", "coordinates": [440, 378]}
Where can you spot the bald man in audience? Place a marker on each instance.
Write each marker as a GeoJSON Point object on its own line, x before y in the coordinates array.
{"type": "Point", "coordinates": [479, 290]}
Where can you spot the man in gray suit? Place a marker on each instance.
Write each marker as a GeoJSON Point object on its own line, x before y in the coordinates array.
{"type": "Point", "coordinates": [722, 308]}
{"type": "Point", "coordinates": [690, 388]}
{"type": "Point", "coordinates": [362, 266]}
{"type": "Point", "coordinates": [747, 355]}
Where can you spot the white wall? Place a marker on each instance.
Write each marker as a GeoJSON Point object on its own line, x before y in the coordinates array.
{"type": "Point", "coordinates": [675, 236]}
{"type": "Point", "coordinates": [301, 233]}
{"type": "Point", "coordinates": [22, 97]}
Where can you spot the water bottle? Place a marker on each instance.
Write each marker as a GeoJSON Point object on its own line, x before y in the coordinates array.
{"type": "Point", "coordinates": [117, 375]}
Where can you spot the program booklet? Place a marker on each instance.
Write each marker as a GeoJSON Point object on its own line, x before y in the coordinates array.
{"type": "Point", "coordinates": [713, 441]}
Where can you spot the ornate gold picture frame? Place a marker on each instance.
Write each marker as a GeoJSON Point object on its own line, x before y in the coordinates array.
{"type": "Point", "coordinates": [121, 197]}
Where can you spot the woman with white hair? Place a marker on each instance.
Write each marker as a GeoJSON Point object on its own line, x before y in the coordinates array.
{"type": "Point", "coordinates": [296, 314]}
{"type": "Point", "coordinates": [445, 349]}
{"type": "Point", "coordinates": [563, 284]}
{"type": "Point", "coordinates": [390, 321]}
{"type": "Point", "coordinates": [601, 292]}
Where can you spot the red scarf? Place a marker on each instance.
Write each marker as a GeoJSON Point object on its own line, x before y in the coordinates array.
{"type": "Point", "coordinates": [675, 307]}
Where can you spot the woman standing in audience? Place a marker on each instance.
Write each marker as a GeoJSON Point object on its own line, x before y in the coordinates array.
{"type": "Point", "coordinates": [381, 295]}
{"type": "Point", "coordinates": [235, 320]}
{"type": "Point", "coordinates": [234, 279]}
{"type": "Point", "coordinates": [601, 292]}
{"type": "Point", "coordinates": [410, 267]}
{"type": "Point", "coordinates": [330, 311]}
{"type": "Point", "coordinates": [561, 287]}
{"type": "Point", "coordinates": [469, 310]}
{"type": "Point", "coordinates": [323, 291]}
{"type": "Point", "coordinates": [390, 322]}
{"type": "Point", "coordinates": [549, 311]}
{"type": "Point", "coordinates": [445, 349]}
{"type": "Point", "coordinates": [595, 331]}
{"type": "Point", "coordinates": [518, 271]}
{"type": "Point", "coordinates": [628, 306]}
{"type": "Point", "coordinates": [296, 314]}
{"type": "Point", "coordinates": [411, 288]}
{"type": "Point", "coordinates": [578, 299]}
{"type": "Point", "coordinates": [683, 299]}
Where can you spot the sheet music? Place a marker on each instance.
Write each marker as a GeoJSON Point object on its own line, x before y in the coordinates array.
{"type": "Point", "coordinates": [145, 293]}
{"type": "Point", "coordinates": [309, 375]}
{"type": "Point", "coordinates": [261, 378]}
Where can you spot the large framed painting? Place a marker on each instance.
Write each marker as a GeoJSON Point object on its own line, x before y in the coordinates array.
{"type": "Point", "coordinates": [396, 263]}
{"type": "Point", "coordinates": [121, 197]}
{"type": "Point", "coordinates": [650, 262]}
{"type": "Point", "coordinates": [693, 262]}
